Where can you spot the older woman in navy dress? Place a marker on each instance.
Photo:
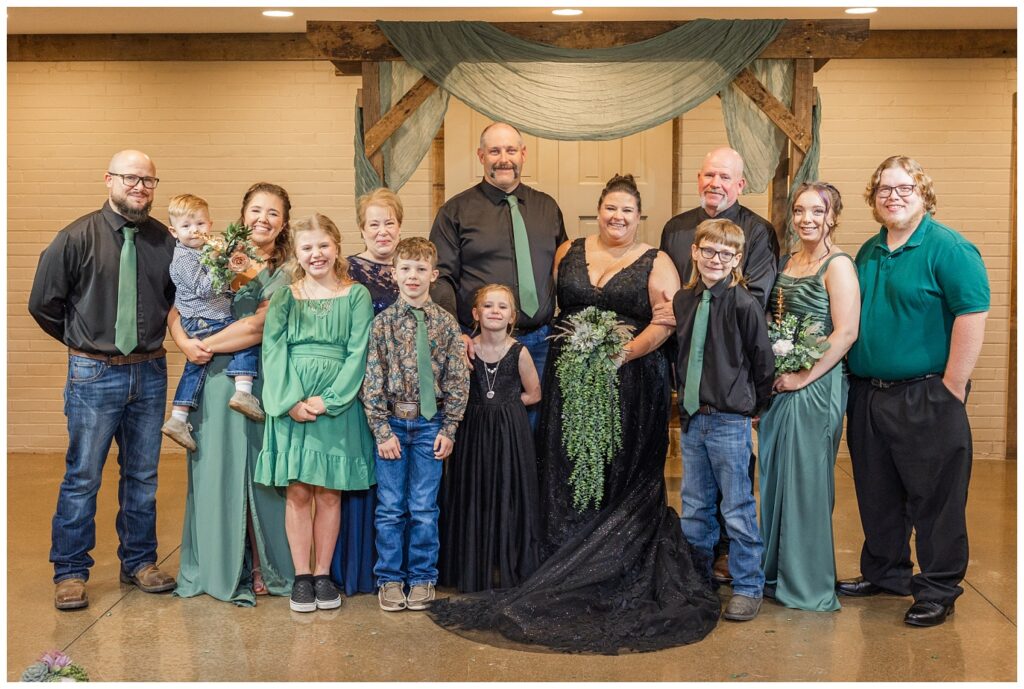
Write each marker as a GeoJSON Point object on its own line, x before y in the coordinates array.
{"type": "Point", "coordinates": [379, 216]}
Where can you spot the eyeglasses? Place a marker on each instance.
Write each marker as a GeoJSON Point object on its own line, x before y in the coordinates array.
{"type": "Point", "coordinates": [131, 180]}
{"type": "Point", "coordinates": [904, 190]}
{"type": "Point", "coordinates": [724, 255]}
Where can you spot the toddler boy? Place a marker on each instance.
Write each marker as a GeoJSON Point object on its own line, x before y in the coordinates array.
{"type": "Point", "coordinates": [203, 312]}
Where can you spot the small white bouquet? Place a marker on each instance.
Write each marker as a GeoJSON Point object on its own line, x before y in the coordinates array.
{"type": "Point", "coordinates": [796, 342]}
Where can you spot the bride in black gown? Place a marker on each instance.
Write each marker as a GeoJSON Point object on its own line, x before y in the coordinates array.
{"type": "Point", "coordinates": [620, 577]}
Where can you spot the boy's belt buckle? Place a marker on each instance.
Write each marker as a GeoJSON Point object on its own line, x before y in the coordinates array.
{"type": "Point", "coordinates": [407, 410]}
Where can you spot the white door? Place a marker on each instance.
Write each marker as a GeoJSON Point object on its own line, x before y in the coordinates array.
{"type": "Point", "coordinates": [573, 172]}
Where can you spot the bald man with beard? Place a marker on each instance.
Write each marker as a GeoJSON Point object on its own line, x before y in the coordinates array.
{"type": "Point", "coordinates": [102, 288]}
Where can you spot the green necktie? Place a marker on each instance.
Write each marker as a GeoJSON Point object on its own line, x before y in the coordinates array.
{"type": "Point", "coordinates": [428, 403]}
{"type": "Point", "coordinates": [695, 364]}
{"type": "Point", "coordinates": [126, 328]}
{"type": "Point", "coordinates": [528, 303]}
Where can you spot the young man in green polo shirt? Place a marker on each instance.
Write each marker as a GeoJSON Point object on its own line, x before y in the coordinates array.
{"type": "Point", "coordinates": [925, 297]}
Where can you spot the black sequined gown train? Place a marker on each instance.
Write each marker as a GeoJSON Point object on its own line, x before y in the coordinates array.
{"type": "Point", "coordinates": [622, 577]}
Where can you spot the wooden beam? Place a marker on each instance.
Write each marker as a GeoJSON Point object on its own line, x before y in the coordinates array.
{"type": "Point", "coordinates": [803, 104]}
{"type": "Point", "coordinates": [371, 111]}
{"type": "Point", "coordinates": [792, 42]}
{"type": "Point", "coordinates": [798, 132]}
{"type": "Point", "coordinates": [954, 43]}
{"type": "Point", "coordinates": [159, 47]}
{"type": "Point", "coordinates": [1011, 369]}
{"type": "Point", "coordinates": [347, 69]}
{"type": "Point", "coordinates": [780, 200]}
{"type": "Point", "coordinates": [358, 41]}
{"type": "Point", "coordinates": [437, 172]}
{"type": "Point", "coordinates": [389, 123]}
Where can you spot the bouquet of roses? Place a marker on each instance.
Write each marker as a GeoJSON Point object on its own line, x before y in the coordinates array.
{"type": "Point", "coordinates": [227, 255]}
{"type": "Point", "coordinates": [586, 368]}
{"type": "Point", "coordinates": [54, 666]}
{"type": "Point", "coordinates": [796, 342]}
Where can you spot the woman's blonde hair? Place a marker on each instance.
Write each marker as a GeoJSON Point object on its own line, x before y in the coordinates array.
{"type": "Point", "coordinates": [321, 222]}
{"type": "Point", "coordinates": [719, 231]}
{"type": "Point", "coordinates": [478, 300]}
{"type": "Point", "coordinates": [381, 196]}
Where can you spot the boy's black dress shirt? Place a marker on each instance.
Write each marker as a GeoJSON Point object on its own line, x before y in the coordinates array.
{"type": "Point", "coordinates": [739, 367]}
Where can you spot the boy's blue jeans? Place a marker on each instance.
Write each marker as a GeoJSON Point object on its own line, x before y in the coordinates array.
{"type": "Point", "coordinates": [716, 455]}
{"type": "Point", "coordinates": [104, 404]}
{"type": "Point", "coordinates": [244, 362]}
{"type": "Point", "coordinates": [407, 502]}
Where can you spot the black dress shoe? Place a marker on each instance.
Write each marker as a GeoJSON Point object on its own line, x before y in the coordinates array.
{"type": "Point", "coordinates": [925, 613]}
{"type": "Point", "coordinates": [859, 587]}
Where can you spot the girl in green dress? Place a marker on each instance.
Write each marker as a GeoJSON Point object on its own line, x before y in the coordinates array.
{"type": "Point", "coordinates": [233, 544]}
{"type": "Point", "coordinates": [316, 441]}
{"type": "Point", "coordinates": [799, 435]}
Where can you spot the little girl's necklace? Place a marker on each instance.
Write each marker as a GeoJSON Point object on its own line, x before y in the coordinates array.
{"type": "Point", "coordinates": [490, 379]}
{"type": "Point", "coordinates": [320, 306]}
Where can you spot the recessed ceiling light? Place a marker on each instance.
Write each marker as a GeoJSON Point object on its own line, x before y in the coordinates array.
{"type": "Point", "coordinates": [862, 10]}
{"type": "Point", "coordinates": [278, 13]}
{"type": "Point", "coordinates": [567, 12]}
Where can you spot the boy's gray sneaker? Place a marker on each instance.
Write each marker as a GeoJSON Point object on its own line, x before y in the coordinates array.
{"type": "Point", "coordinates": [179, 431]}
{"type": "Point", "coordinates": [248, 404]}
{"type": "Point", "coordinates": [391, 596]}
{"type": "Point", "coordinates": [741, 608]}
{"type": "Point", "coordinates": [420, 596]}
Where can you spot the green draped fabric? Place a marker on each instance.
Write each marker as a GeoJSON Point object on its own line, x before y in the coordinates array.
{"type": "Point", "coordinates": [567, 94]}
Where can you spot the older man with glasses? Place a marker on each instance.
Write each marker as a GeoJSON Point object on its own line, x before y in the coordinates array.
{"type": "Point", "coordinates": [103, 288]}
{"type": "Point", "coordinates": [925, 299]}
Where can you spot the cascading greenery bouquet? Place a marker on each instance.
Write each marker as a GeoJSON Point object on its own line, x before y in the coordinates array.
{"type": "Point", "coordinates": [796, 342]}
{"type": "Point", "coordinates": [591, 428]}
{"type": "Point", "coordinates": [227, 255]}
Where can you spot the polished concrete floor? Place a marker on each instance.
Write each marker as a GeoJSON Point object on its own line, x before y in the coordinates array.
{"type": "Point", "coordinates": [128, 635]}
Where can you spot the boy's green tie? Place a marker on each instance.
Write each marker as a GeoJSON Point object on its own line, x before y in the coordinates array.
{"type": "Point", "coordinates": [528, 302]}
{"type": "Point", "coordinates": [428, 403]}
{"type": "Point", "coordinates": [126, 327]}
{"type": "Point", "coordinates": [695, 364]}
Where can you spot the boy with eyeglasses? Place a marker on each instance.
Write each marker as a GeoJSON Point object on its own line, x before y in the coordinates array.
{"type": "Point", "coordinates": [725, 368]}
{"type": "Point", "coordinates": [204, 311]}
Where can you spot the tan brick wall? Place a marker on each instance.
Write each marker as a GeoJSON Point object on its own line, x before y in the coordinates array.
{"type": "Point", "coordinates": [954, 117]}
{"type": "Point", "coordinates": [214, 128]}
{"type": "Point", "coordinates": [211, 128]}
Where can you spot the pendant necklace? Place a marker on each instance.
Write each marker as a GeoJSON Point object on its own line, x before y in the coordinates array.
{"type": "Point", "coordinates": [491, 376]}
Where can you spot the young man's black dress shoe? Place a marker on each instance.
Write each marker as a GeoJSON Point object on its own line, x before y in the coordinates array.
{"type": "Point", "coordinates": [925, 613]}
{"type": "Point", "coordinates": [858, 587]}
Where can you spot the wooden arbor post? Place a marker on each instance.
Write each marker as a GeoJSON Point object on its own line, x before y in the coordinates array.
{"type": "Point", "coordinates": [355, 47]}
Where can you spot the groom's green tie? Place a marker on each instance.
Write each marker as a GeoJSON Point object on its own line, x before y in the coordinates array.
{"type": "Point", "coordinates": [695, 364]}
{"type": "Point", "coordinates": [126, 327]}
{"type": "Point", "coordinates": [528, 302]}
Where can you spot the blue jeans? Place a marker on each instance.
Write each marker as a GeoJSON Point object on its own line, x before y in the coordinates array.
{"type": "Point", "coordinates": [407, 501]}
{"type": "Point", "coordinates": [244, 362]}
{"type": "Point", "coordinates": [104, 403]}
{"type": "Point", "coordinates": [537, 345]}
{"type": "Point", "coordinates": [716, 457]}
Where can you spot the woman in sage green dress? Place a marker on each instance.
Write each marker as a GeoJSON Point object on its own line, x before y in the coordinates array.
{"type": "Point", "coordinates": [233, 543]}
{"type": "Point", "coordinates": [317, 442]}
{"type": "Point", "coordinates": [799, 435]}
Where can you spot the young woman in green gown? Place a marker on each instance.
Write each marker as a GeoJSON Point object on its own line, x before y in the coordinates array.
{"type": "Point", "coordinates": [799, 435]}
{"type": "Point", "coordinates": [233, 544]}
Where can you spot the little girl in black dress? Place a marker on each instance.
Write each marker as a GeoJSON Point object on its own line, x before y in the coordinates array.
{"type": "Point", "coordinates": [489, 502]}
